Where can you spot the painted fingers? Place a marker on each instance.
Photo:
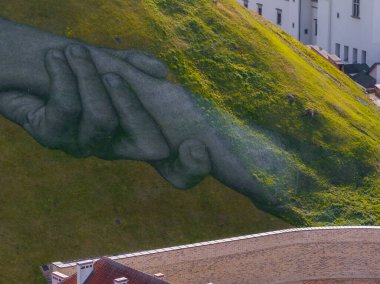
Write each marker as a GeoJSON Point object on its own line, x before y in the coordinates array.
{"type": "Point", "coordinates": [92, 114]}
{"type": "Point", "coordinates": [140, 138]}
{"type": "Point", "coordinates": [87, 113]}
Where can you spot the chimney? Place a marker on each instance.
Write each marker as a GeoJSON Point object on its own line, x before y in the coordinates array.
{"type": "Point", "coordinates": [84, 270]}
{"type": "Point", "coordinates": [159, 275]}
{"type": "Point", "coordinates": [121, 280]}
{"type": "Point", "coordinates": [57, 277]}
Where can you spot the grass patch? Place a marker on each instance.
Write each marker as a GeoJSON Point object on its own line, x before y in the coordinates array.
{"type": "Point", "coordinates": [55, 207]}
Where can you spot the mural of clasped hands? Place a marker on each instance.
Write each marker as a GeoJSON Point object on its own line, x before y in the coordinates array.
{"type": "Point", "coordinates": [117, 104]}
{"type": "Point", "coordinates": [88, 114]}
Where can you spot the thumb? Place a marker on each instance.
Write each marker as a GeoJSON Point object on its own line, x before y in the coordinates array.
{"type": "Point", "coordinates": [190, 166]}
{"type": "Point", "coordinates": [17, 105]}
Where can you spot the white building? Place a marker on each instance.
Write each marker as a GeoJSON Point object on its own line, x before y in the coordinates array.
{"type": "Point", "coordinates": [348, 28]}
{"type": "Point", "coordinates": [294, 16]}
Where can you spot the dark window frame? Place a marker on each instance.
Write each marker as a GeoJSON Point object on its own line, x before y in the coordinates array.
{"type": "Point", "coordinates": [364, 56]}
{"type": "Point", "coordinates": [356, 9]}
{"type": "Point", "coordinates": [315, 27]}
{"type": "Point", "coordinates": [260, 9]}
{"type": "Point", "coordinates": [346, 53]}
{"type": "Point", "coordinates": [279, 17]}
{"type": "Point", "coordinates": [338, 49]}
{"type": "Point", "coordinates": [355, 53]}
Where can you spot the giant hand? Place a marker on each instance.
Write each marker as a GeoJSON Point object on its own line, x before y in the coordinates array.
{"type": "Point", "coordinates": [194, 130]}
{"type": "Point", "coordinates": [79, 118]}
{"type": "Point", "coordinates": [88, 114]}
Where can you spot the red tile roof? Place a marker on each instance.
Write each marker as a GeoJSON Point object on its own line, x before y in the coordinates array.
{"type": "Point", "coordinates": [106, 271]}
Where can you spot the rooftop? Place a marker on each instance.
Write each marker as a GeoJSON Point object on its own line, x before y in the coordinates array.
{"type": "Point", "coordinates": [107, 270]}
{"type": "Point", "coordinates": [340, 253]}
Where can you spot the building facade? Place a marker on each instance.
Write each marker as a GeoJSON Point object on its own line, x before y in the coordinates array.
{"type": "Point", "coordinates": [349, 29]}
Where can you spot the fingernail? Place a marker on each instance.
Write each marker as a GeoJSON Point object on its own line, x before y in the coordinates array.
{"type": "Point", "coordinates": [198, 151]}
{"type": "Point", "coordinates": [79, 51]}
{"type": "Point", "coordinates": [58, 54]}
{"type": "Point", "coordinates": [112, 80]}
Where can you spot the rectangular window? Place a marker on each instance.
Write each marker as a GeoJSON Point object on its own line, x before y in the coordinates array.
{"type": "Point", "coordinates": [354, 55]}
{"type": "Point", "coordinates": [279, 17]}
{"type": "Point", "coordinates": [315, 27]}
{"type": "Point", "coordinates": [364, 57]}
{"type": "Point", "coordinates": [346, 56]}
{"type": "Point", "coordinates": [337, 49]}
{"type": "Point", "coordinates": [356, 8]}
{"type": "Point", "coordinates": [246, 2]}
{"type": "Point", "coordinates": [260, 9]}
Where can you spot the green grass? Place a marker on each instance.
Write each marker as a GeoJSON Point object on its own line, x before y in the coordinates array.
{"type": "Point", "coordinates": [55, 207]}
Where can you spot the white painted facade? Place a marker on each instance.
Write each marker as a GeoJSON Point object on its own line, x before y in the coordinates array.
{"type": "Point", "coordinates": [375, 72]}
{"type": "Point", "coordinates": [84, 270]}
{"type": "Point", "coordinates": [355, 40]}
{"type": "Point", "coordinates": [297, 16]}
{"type": "Point", "coordinates": [330, 24]}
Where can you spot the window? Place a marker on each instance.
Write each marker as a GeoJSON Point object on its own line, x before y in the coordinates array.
{"type": "Point", "coordinates": [337, 49]}
{"type": "Point", "coordinates": [346, 50]}
{"type": "Point", "coordinates": [356, 8]}
{"type": "Point", "coordinates": [355, 55]}
{"type": "Point", "coordinates": [315, 27]}
{"type": "Point", "coordinates": [246, 2]}
{"type": "Point", "coordinates": [260, 9]}
{"type": "Point", "coordinates": [364, 57]}
{"type": "Point", "coordinates": [279, 17]}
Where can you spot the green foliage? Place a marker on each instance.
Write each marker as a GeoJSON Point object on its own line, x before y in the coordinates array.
{"type": "Point", "coordinates": [242, 64]}
{"type": "Point", "coordinates": [248, 67]}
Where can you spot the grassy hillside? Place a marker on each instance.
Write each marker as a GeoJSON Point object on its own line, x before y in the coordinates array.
{"type": "Point", "coordinates": [55, 207]}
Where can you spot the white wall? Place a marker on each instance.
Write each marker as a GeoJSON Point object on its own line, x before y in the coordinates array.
{"type": "Point", "coordinates": [324, 23]}
{"type": "Point", "coordinates": [362, 34]}
{"type": "Point", "coordinates": [298, 24]}
{"type": "Point", "coordinates": [314, 28]}
{"type": "Point", "coordinates": [289, 12]}
{"type": "Point", "coordinates": [294, 18]}
{"type": "Point", "coordinates": [375, 73]}
{"type": "Point", "coordinates": [306, 27]}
